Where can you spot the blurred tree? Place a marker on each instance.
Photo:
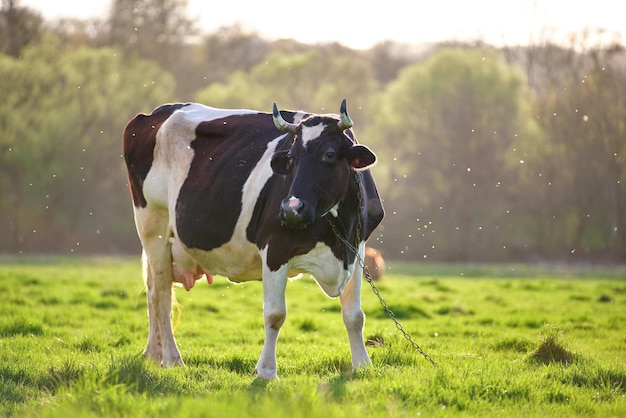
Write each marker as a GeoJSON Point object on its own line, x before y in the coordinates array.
{"type": "Point", "coordinates": [18, 27]}
{"type": "Point", "coordinates": [584, 120]}
{"type": "Point", "coordinates": [158, 30]}
{"type": "Point", "coordinates": [151, 28]}
{"type": "Point", "coordinates": [388, 58]}
{"type": "Point", "coordinates": [314, 80]}
{"type": "Point", "coordinates": [78, 32]}
{"type": "Point", "coordinates": [454, 127]}
{"type": "Point", "coordinates": [575, 191]}
{"type": "Point", "coordinates": [231, 49]}
{"type": "Point", "coordinates": [61, 172]}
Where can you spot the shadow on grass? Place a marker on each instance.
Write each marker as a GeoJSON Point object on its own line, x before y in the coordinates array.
{"type": "Point", "coordinates": [336, 387]}
{"type": "Point", "coordinates": [235, 363]}
{"type": "Point", "coordinates": [21, 326]}
{"type": "Point", "coordinates": [400, 310]}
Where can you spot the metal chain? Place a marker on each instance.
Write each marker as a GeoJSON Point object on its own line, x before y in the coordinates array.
{"type": "Point", "coordinates": [392, 315]}
{"type": "Point", "coordinates": [369, 279]}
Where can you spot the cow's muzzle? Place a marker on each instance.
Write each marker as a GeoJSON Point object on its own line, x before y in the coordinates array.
{"type": "Point", "coordinates": [294, 213]}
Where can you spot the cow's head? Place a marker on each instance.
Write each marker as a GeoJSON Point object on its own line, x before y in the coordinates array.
{"type": "Point", "coordinates": [321, 160]}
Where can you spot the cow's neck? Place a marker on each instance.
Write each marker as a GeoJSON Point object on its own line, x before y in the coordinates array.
{"type": "Point", "coordinates": [347, 227]}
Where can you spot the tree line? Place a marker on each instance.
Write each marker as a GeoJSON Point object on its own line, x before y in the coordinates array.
{"type": "Point", "coordinates": [485, 154]}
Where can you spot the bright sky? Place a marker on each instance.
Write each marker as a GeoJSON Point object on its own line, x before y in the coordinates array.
{"type": "Point", "coordinates": [359, 24]}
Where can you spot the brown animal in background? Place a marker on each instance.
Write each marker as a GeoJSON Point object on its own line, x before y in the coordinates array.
{"type": "Point", "coordinates": [375, 263]}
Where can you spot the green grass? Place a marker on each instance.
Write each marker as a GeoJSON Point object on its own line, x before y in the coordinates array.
{"type": "Point", "coordinates": [509, 340]}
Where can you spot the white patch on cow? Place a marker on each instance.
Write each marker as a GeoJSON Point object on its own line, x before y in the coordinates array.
{"type": "Point", "coordinates": [309, 133]}
{"type": "Point", "coordinates": [321, 264]}
{"type": "Point", "coordinates": [196, 113]}
{"type": "Point", "coordinates": [298, 116]}
{"type": "Point", "coordinates": [252, 189]}
{"type": "Point", "coordinates": [325, 268]}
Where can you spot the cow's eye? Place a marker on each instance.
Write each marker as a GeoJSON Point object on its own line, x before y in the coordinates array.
{"type": "Point", "coordinates": [329, 156]}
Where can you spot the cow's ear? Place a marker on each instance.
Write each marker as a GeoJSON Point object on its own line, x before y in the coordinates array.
{"type": "Point", "coordinates": [361, 157]}
{"type": "Point", "coordinates": [282, 162]}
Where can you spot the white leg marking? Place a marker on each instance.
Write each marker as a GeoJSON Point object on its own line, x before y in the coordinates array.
{"type": "Point", "coordinates": [274, 314]}
{"type": "Point", "coordinates": [152, 227]}
{"type": "Point", "coordinates": [353, 316]}
{"type": "Point", "coordinates": [161, 302]}
{"type": "Point", "coordinates": [154, 349]}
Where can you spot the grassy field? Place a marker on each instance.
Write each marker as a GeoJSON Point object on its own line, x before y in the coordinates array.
{"type": "Point", "coordinates": [510, 341]}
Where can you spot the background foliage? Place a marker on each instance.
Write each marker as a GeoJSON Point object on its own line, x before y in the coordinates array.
{"type": "Point", "coordinates": [485, 154]}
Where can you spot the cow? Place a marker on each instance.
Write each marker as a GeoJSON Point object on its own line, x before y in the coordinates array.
{"type": "Point", "coordinates": [375, 263]}
{"type": "Point", "coordinates": [250, 195]}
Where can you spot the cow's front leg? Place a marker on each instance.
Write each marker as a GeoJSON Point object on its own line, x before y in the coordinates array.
{"type": "Point", "coordinates": [354, 318]}
{"type": "Point", "coordinates": [274, 314]}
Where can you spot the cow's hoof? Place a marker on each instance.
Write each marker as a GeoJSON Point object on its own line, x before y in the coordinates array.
{"type": "Point", "coordinates": [173, 362]}
{"type": "Point", "coordinates": [156, 357]}
{"type": "Point", "coordinates": [265, 374]}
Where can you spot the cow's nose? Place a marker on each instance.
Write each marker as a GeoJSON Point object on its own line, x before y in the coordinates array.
{"type": "Point", "coordinates": [294, 212]}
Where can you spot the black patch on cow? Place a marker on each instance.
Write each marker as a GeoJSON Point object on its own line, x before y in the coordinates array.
{"type": "Point", "coordinates": [226, 150]}
{"type": "Point", "coordinates": [139, 141]}
{"type": "Point", "coordinates": [371, 204]}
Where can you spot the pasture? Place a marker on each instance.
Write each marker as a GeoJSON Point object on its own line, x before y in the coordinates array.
{"type": "Point", "coordinates": [510, 340]}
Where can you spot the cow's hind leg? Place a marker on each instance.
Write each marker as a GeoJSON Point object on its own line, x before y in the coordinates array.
{"type": "Point", "coordinates": [154, 348]}
{"type": "Point", "coordinates": [354, 318]}
{"type": "Point", "coordinates": [274, 315]}
{"type": "Point", "coordinates": [153, 231]}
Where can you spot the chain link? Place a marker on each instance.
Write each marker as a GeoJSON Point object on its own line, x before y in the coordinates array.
{"type": "Point", "coordinates": [369, 279]}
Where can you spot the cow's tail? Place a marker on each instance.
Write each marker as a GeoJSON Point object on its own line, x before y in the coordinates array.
{"type": "Point", "coordinates": [145, 270]}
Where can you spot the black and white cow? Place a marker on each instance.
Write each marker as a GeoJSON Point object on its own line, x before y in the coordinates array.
{"type": "Point", "coordinates": [250, 196]}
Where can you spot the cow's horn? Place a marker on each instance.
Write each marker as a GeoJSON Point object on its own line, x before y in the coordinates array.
{"type": "Point", "coordinates": [281, 123]}
{"type": "Point", "coordinates": [345, 122]}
